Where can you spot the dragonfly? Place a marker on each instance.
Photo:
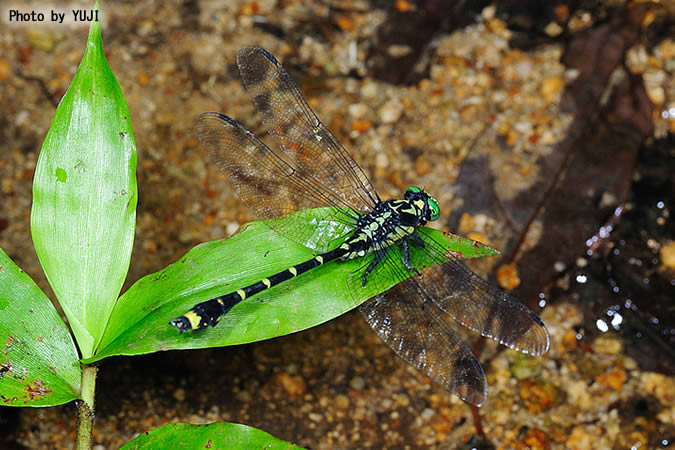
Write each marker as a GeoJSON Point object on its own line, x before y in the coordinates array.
{"type": "Point", "coordinates": [312, 171]}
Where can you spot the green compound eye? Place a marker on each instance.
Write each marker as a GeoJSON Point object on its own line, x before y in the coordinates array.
{"type": "Point", "coordinates": [433, 208]}
{"type": "Point", "coordinates": [413, 189]}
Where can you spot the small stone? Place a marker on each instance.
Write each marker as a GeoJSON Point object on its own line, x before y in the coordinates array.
{"type": "Point", "coordinates": [656, 94]}
{"type": "Point", "coordinates": [608, 344]}
{"type": "Point", "coordinates": [428, 413]}
{"type": "Point", "coordinates": [637, 59]}
{"type": "Point", "coordinates": [539, 396]}
{"type": "Point", "coordinates": [293, 385]}
{"type": "Point", "coordinates": [179, 394]}
{"type": "Point", "coordinates": [507, 276]}
{"type": "Point", "coordinates": [369, 90]}
{"type": "Point", "coordinates": [42, 39]}
{"type": "Point", "coordinates": [341, 401]}
{"type": "Point", "coordinates": [667, 416]}
{"type": "Point", "coordinates": [150, 246]}
{"type": "Point", "coordinates": [5, 69]}
{"type": "Point", "coordinates": [662, 387]}
{"type": "Point", "coordinates": [533, 438]}
{"type": "Point", "coordinates": [553, 29]}
{"type": "Point", "coordinates": [614, 379]}
{"type": "Point", "coordinates": [578, 394]}
{"type": "Point", "coordinates": [525, 367]}
{"type": "Point", "coordinates": [381, 160]}
{"type": "Point", "coordinates": [466, 223]}
{"type": "Point", "coordinates": [361, 126]}
{"type": "Point", "coordinates": [404, 6]}
{"type": "Point", "coordinates": [315, 417]}
{"type": "Point", "coordinates": [357, 383]}
{"type": "Point", "coordinates": [488, 13]}
{"type": "Point", "coordinates": [398, 51]}
{"type": "Point", "coordinates": [143, 79]}
{"type": "Point", "coordinates": [422, 166]}
{"type": "Point", "coordinates": [667, 254]}
{"type": "Point", "coordinates": [358, 110]}
{"type": "Point", "coordinates": [391, 111]}
{"type": "Point", "coordinates": [551, 88]}
{"type": "Point", "coordinates": [523, 69]}
{"type": "Point", "coordinates": [345, 23]}
{"type": "Point", "coordinates": [512, 138]}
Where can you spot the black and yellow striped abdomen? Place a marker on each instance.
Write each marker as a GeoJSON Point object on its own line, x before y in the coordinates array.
{"type": "Point", "coordinates": [208, 313]}
{"type": "Point", "coordinates": [389, 223]}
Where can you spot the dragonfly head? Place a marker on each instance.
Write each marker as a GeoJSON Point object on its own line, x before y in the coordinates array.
{"type": "Point", "coordinates": [424, 203]}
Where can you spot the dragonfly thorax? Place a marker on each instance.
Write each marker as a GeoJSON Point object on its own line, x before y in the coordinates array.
{"type": "Point", "coordinates": [390, 222]}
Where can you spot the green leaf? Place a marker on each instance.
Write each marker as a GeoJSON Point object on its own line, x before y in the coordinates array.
{"type": "Point", "coordinates": [140, 322]}
{"type": "Point", "coordinates": [214, 435]}
{"type": "Point", "coordinates": [39, 362]}
{"type": "Point", "coordinates": [84, 196]}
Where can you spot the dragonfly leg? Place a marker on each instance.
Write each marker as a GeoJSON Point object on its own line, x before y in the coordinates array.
{"type": "Point", "coordinates": [379, 255]}
{"type": "Point", "coordinates": [416, 240]}
{"type": "Point", "coordinates": [406, 255]}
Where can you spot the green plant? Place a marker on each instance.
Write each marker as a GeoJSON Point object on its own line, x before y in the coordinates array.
{"type": "Point", "coordinates": [83, 223]}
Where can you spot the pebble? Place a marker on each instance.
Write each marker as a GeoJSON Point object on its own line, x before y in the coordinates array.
{"type": "Point", "coordinates": [551, 87]}
{"type": "Point", "coordinates": [369, 90]}
{"type": "Point", "coordinates": [358, 110]}
{"type": "Point", "coordinates": [357, 383]}
{"type": "Point", "coordinates": [294, 385]}
{"type": "Point", "coordinates": [614, 379]}
{"type": "Point", "coordinates": [507, 276]}
{"type": "Point", "coordinates": [179, 394]}
{"type": "Point", "coordinates": [361, 126]}
{"type": "Point", "coordinates": [667, 254]}
{"type": "Point", "coordinates": [428, 413]}
{"type": "Point", "coordinates": [341, 401]}
{"type": "Point", "coordinates": [391, 111]}
{"type": "Point", "coordinates": [553, 29]}
{"type": "Point", "coordinates": [523, 69]}
{"type": "Point", "coordinates": [5, 68]}
{"type": "Point", "coordinates": [608, 344]}
{"type": "Point", "coordinates": [422, 166]}
{"type": "Point", "coordinates": [637, 59]}
{"type": "Point", "coordinates": [381, 160]}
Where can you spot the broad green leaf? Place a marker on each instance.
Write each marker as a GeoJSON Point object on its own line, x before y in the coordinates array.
{"type": "Point", "coordinates": [84, 196]}
{"type": "Point", "coordinates": [140, 322]}
{"type": "Point", "coordinates": [39, 363]}
{"type": "Point", "coordinates": [213, 435]}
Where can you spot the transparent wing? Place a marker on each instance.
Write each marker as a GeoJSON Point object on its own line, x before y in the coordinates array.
{"type": "Point", "coordinates": [268, 185]}
{"type": "Point", "coordinates": [413, 326]}
{"type": "Point", "coordinates": [408, 321]}
{"type": "Point", "coordinates": [307, 144]}
{"type": "Point", "coordinates": [479, 306]}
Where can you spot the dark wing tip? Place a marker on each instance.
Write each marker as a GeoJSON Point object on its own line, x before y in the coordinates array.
{"type": "Point", "coordinates": [470, 383]}
{"type": "Point", "coordinates": [215, 115]}
{"type": "Point", "coordinates": [246, 52]}
{"type": "Point", "coordinates": [228, 119]}
{"type": "Point", "coordinates": [269, 56]}
{"type": "Point", "coordinates": [543, 338]}
{"type": "Point", "coordinates": [182, 324]}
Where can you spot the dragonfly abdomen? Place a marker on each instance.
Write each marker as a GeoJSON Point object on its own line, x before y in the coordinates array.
{"type": "Point", "coordinates": [206, 314]}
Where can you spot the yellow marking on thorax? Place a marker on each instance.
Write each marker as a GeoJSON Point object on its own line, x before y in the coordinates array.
{"type": "Point", "coordinates": [193, 318]}
{"type": "Point", "coordinates": [241, 293]}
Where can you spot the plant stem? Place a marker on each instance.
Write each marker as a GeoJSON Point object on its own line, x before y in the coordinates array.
{"type": "Point", "coordinates": [85, 408]}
